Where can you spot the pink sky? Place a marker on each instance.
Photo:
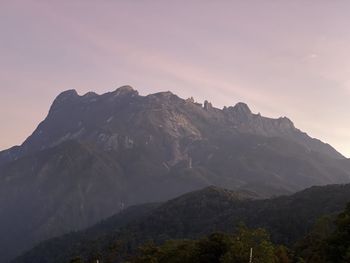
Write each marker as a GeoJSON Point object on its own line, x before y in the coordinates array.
{"type": "Point", "coordinates": [283, 58]}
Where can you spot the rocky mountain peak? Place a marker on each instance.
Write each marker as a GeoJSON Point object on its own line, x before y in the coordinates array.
{"type": "Point", "coordinates": [125, 90]}
{"type": "Point", "coordinates": [207, 105]}
{"type": "Point", "coordinates": [67, 96]}
{"type": "Point", "coordinates": [285, 123]}
{"type": "Point", "coordinates": [90, 95]}
{"type": "Point", "coordinates": [162, 95]}
{"type": "Point", "coordinates": [242, 108]}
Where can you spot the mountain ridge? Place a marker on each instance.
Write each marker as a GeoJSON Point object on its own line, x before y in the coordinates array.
{"type": "Point", "coordinates": [94, 154]}
{"type": "Point", "coordinates": [240, 113]}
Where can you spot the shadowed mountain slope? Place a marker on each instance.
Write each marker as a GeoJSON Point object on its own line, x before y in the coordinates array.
{"type": "Point", "coordinates": [288, 218]}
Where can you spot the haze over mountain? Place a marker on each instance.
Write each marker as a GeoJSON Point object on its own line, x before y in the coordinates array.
{"type": "Point", "coordinates": [94, 155]}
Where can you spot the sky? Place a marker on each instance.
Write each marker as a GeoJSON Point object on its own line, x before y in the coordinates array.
{"type": "Point", "coordinates": [282, 58]}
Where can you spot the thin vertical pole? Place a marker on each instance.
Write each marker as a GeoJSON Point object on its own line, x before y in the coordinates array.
{"type": "Point", "coordinates": [251, 255]}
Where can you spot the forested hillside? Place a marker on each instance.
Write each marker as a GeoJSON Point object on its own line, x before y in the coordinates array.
{"type": "Point", "coordinates": [287, 219]}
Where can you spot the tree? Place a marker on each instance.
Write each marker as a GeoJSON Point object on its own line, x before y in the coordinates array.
{"type": "Point", "coordinates": [312, 248]}
{"type": "Point", "coordinates": [338, 249]}
{"type": "Point", "coordinates": [213, 248]}
{"type": "Point", "coordinates": [148, 254]}
{"type": "Point", "coordinates": [282, 255]}
{"type": "Point", "coordinates": [257, 239]}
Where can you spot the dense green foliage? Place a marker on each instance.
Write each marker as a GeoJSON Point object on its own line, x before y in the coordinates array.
{"type": "Point", "coordinates": [216, 248]}
{"type": "Point", "coordinates": [338, 250]}
{"type": "Point", "coordinates": [312, 248]}
{"type": "Point", "coordinates": [326, 243]}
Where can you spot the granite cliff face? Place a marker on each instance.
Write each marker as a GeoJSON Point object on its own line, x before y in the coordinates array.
{"type": "Point", "coordinates": [102, 119]}
{"type": "Point", "coordinates": [94, 154]}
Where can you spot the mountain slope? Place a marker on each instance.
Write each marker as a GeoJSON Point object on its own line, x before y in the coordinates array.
{"type": "Point", "coordinates": [94, 154]}
{"type": "Point", "coordinates": [288, 218]}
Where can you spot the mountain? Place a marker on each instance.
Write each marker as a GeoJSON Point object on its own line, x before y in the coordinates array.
{"type": "Point", "coordinates": [111, 119]}
{"type": "Point", "coordinates": [193, 215]}
{"type": "Point", "coordinates": [94, 155]}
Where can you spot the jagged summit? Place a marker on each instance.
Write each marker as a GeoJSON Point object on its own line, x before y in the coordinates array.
{"type": "Point", "coordinates": [124, 90]}
{"type": "Point", "coordinates": [285, 122]}
{"type": "Point", "coordinates": [162, 94]}
{"type": "Point", "coordinates": [65, 97]}
{"type": "Point", "coordinates": [175, 116]}
{"type": "Point", "coordinates": [72, 94]}
{"type": "Point", "coordinates": [68, 94]}
{"type": "Point", "coordinates": [90, 94]}
{"type": "Point", "coordinates": [242, 108]}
